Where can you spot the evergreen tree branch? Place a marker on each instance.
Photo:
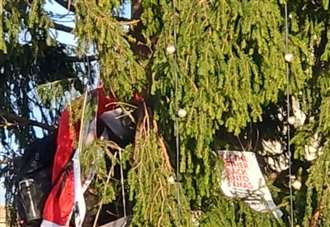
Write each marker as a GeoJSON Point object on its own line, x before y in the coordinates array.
{"type": "Point", "coordinates": [68, 29]}
{"type": "Point", "coordinates": [136, 9]}
{"type": "Point", "coordinates": [72, 59]}
{"type": "Point", "coordinates": [138, 47]}
{"type": "Point", "coordinates": [12, 118]}
{"type": "Point", "coordinates": [65, 4]}
{"type": "Point", "coordinates": [62, 28]}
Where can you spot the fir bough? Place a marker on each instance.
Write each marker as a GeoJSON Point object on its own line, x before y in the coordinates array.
{"type": "Point", "coordinates": [237, 214]}
{"type": "Point", "coordinates": [121, 72]}
{"type": "Point", "coordinates": [158, 199]}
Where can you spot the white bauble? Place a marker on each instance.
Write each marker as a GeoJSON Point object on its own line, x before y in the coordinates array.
{"type": "Point", "coordinates": [291, 120]}
{"type": "Point", "coordinates": [171, 180]}
{"type": "Point", "coordinates": [296, 184]}
{"type": "Point", "coordinates": [288, 57]}
{"type": "Point", "coordinates": [170, 49]}
{"type": "Point", "coordinates": [182, 113]}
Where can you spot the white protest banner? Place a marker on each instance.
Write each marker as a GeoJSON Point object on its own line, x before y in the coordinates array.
{"type": "Point", "coordinates": [242, 178]}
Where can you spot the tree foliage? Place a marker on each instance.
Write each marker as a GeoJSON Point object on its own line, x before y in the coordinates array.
{"type": "Point", "coordinates": [228, 72]}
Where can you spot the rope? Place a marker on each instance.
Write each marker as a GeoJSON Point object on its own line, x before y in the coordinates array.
{"type": "Point", "coordinates": [288, 113]}
{"type": "Point", "coordinates": [122, 184]}
{"type": "Point", "coordinates": [177, 139]}
{"type": "Point", "coordinates": [176, 126]}
{"type": "Point", "coordinates": [75, 211]}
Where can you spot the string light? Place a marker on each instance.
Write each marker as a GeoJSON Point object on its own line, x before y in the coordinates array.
{"type": "Point", "coordinates": [172, 49]}
{"type": "Point", "coordinates": [288, 58]}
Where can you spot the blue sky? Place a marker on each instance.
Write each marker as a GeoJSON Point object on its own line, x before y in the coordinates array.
{"type": "Point", "coordinates": [68, 20]}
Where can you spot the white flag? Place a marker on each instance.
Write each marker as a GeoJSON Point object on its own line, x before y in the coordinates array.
{"type": "Point", "coordinates": [79, 201]}
{"type": "Point", "coordinates": [242, 178]}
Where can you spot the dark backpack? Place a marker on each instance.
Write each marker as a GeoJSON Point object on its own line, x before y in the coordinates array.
{"type": "Point", "coordinates": [33, 180]}
{"type": "Point", "coordinates": [33, 170]}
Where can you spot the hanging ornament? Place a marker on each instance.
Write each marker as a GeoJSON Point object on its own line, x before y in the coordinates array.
{"type": "Point", "coordinates": [170, 49]}
{"type": "Point", "coordinates": [182, 113]}
{"type": "Point", "coordinates": [296, 184]}
{"type": "Point", "coordinates": [171, 180]}
{"type": "Point", "coordinates": [288, 57]}
{"type": "Point", "coordinates": [291, 120]}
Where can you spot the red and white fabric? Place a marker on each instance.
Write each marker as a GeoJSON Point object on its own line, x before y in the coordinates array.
{"type": "Point", "coordinates": [65, 199]}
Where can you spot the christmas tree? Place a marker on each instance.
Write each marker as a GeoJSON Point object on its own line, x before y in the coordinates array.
{"type": "Point", "coordinates": [214, 75]}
